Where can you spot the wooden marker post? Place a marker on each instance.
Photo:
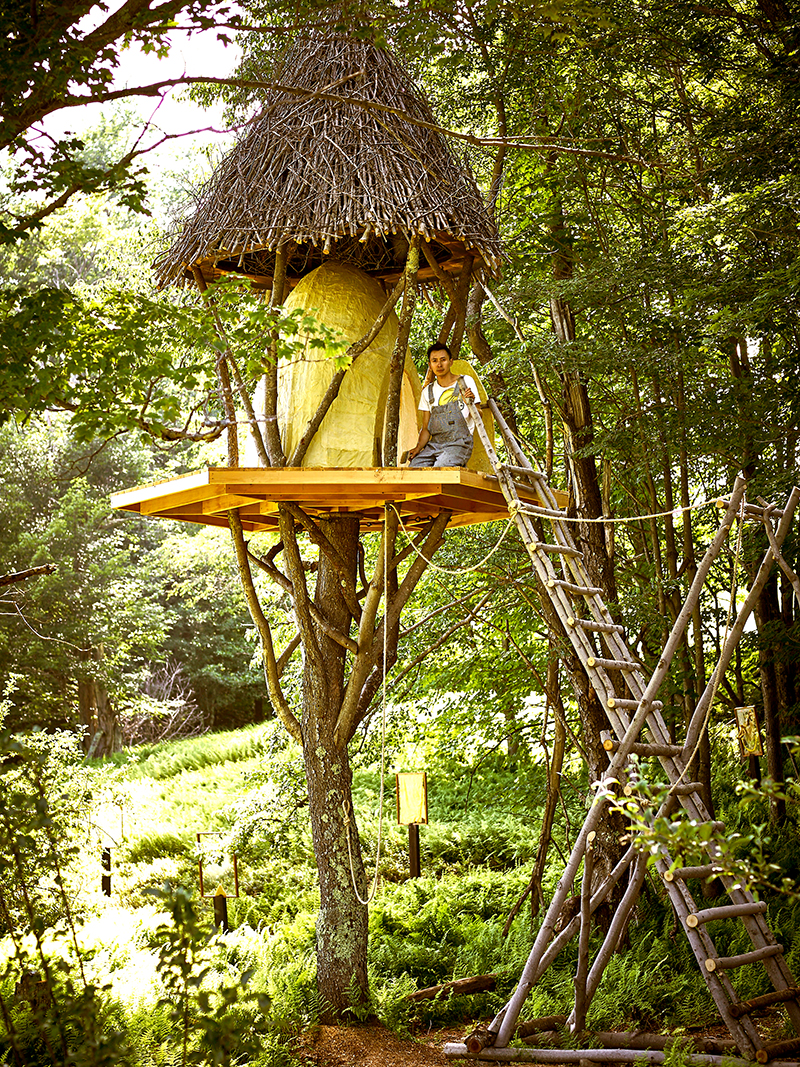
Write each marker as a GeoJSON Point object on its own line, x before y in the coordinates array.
{"type": "Point", "coordinates": [221, 911]}
{"type": "Point", "coordinates": [105, 881]}
{"type": "Point", "coordinates": [413, 850]}
{"type": "Point", "coordinates": [412, 809]}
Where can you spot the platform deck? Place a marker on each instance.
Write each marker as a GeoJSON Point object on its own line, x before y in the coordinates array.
{"type": "Point", "coordinates": [256, 492]}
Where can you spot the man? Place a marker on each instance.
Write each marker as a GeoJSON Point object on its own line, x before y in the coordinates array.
{"type": "Point", "coordinates": [445, 439]}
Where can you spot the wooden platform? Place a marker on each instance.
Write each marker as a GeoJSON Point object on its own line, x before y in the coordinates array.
{"type": "Point", "coordinates": [256, 492]}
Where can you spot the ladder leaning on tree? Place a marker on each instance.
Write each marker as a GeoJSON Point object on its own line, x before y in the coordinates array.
{"type": "Point", "coordinates": [629, 699]}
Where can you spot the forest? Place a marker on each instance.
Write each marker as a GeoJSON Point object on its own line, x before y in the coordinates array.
{"type": "Point", "coordinates": [175, 694]}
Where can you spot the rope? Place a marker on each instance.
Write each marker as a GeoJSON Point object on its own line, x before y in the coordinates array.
{"type": "Point", "coordinates": [641, 518]}
{"type": "Point", "coordinates": [459, 570]}
{"type": "Point", "coordinates": [631, 518]}
{"type": "Point", "coordinates": [717, 675]}
{"type": "Point", "coordinates": [348, 810]}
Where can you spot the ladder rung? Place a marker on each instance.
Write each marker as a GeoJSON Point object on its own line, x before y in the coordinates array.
{"type": "Point", "coordinates": [546, 513]}
{"type": "Point", "coordinates": [632, 705]}
{"type": "Point", "coordinates": [727, 963]}
{"type": "Point", "coordinates": [685, 789]}
{"type": "Point", "coordinates": [595, 626]}
{"type": "Point", "coordinates": [754, 510]}
{"type": "Point", "coordinates": [528, 472]}
{"type": "Point", "coordinates": [612, 664]}
{"type": "Point", "coordinates": [778, 996]}
{"type": "Point", "coordinates": [642, 749]}
{"type": "Point", "coordinates": [562, 550]}
{"type": "Point", "coordinates": [777, 1050]}
{"type": "Point", "coordinates": [728, 911]}
{"type": "Point", "coordinates": [681, 874]}
{"type": "Point", "coordinates": [576, 590]}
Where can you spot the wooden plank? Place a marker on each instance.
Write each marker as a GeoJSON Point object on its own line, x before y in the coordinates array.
{"type": "Point", "coordinates": [227, 502]}
{"type": "Point", "coordinates": [159, 489]}
{"type": "Point", "coordinates": [256, 492]}
{"type": "Point", "coordinates": [162, 505]}
{"type": "Point", "coordinates": [199, 519]}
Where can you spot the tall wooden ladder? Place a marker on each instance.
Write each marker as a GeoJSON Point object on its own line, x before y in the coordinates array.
{"type": "Point", "coordinates": [638, 729]}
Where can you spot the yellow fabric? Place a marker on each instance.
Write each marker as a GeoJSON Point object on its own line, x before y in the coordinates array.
{"type": "Point", "coordinates": [349, 301]}
{"type": "Point", "coordinates": [478, 461]}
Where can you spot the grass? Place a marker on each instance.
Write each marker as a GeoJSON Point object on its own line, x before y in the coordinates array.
{"type": "Point", "coordinates": [476, 856]}
{"type": "Point", "coordinates": [168, 759]}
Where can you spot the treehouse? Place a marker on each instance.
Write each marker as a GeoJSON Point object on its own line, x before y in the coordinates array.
{"type": "Point", "coordinates": [342, 200]}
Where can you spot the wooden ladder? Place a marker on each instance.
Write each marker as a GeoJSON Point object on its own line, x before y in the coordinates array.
{"type": "Point", "coordinates": [629, 699]}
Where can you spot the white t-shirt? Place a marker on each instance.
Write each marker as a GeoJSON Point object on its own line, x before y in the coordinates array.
{"type": "Point", "coordinates": [442, 394]}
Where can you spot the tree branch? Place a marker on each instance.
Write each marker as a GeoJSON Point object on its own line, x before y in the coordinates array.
{"type": "Point", "coordinates": [241, 388]}
{"type": "Point", "coordinates": [287, 585]}
{"type": "Point", "coordinates": [281, 705]}
{"type": "Point", "coordinates": [324, 544]}
{"type": "Point", "coordinates": [354, 351]}
{"type": "Point", "coordinates": [31, 572]}
{"type": "Point", "coordinates": [274, 444]}
{"type": "Point", "coordinates": [287, 653]}
{"type": "Point", "coordinates": [300, 598]}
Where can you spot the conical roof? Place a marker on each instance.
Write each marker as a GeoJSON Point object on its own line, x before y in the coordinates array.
{"type": "Point", "coordinates": [337, 178]}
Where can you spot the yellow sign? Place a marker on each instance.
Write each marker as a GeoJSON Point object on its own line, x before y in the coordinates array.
{"type": "Point", "coordinates": [412, 798]}
{"type": "Point", "coordinates": [747, 729]}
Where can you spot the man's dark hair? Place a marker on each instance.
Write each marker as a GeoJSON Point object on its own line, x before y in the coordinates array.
{"type": "Point", "coordinates": [437, 347]}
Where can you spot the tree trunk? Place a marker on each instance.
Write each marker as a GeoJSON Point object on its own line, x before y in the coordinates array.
{"type": "Point", "coordinates": [342, 919]}
{"type": "Point", "coordinates": [96, 712]}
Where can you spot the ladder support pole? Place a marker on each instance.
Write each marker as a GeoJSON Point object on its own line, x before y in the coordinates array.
{"type": "Point", "coordinates": [578, 1021]}
{"type": "Point", "coordinates": [530, 971]}
{"type": "Point", "coordinates": [698, 717]}
{"type": "Point", "coordinates": [564, 937]}
{"type": "Point", "coordinates": [676, 635]}
{"type": "Point", "coordinates": [619, 760]}
{"type": "Point", "coordinates": [617, 927]}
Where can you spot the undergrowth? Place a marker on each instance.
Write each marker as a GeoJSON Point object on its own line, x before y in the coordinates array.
{"type": "Point", "coordinates": [162, 990]}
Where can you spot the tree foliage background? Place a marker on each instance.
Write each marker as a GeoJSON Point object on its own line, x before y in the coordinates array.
{"type": "Point", "coordinates": [641, 161]}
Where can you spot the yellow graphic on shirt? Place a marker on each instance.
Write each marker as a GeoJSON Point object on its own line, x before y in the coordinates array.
{"type": "Point", "coordinates": [447, 396]}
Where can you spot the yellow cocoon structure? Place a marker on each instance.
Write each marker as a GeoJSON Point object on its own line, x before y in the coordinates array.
{"type": "Point", "coordinates": [348, 301]}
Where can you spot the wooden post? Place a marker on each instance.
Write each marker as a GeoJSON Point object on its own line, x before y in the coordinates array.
{"type": "Point", "coordinates": [413, 850]}
{"type": "Point", "coordinates": [579, 1013]}
{"type": "Point", "coordinates": [221, 911]}
{"type": "Point", "coordinates": [106, 878]}
{"type": "Point", "coordinates": [398, 360]}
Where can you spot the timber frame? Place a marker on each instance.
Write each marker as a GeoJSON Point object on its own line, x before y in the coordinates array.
{"type": "Point", "coordinates": [256, 493]}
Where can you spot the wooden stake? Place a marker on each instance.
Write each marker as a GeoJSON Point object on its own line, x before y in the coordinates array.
{"type": "Point", "coordinates": [413, 850]}
{"type": "Point", "coordinates": [398, 360]}
{"type": "Point", "coordinates": [271, 429]}
{"type": "Point", "coordinates": [579, 1012]}
{"type": "Point", "coordinates": [221, 911]}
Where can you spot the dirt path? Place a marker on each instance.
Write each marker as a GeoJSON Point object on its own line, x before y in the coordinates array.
{"type": "Point", "coordinates": [370, 1046]}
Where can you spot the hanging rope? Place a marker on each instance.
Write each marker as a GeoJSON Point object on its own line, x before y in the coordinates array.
{"type": "Point", "coordinates": [512, 516]}
{"type": "Point", "coordinates": [446, 570]}
{"type": "Point", "coordinates": [348, 809]}
{"type": "Point", "coordinates": [717, 675]}
{"type": "Point", "coordinates": [643, 518]}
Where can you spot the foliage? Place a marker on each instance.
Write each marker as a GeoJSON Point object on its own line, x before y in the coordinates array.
{"type": "Point", "coordinates": [52, 61]}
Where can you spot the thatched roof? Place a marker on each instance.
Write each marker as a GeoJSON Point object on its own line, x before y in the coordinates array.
{"type": "Point", "coordinates": [336, 178]}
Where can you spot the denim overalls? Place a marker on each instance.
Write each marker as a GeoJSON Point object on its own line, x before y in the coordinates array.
{"type": "Point", "coordinates": [450, 444]}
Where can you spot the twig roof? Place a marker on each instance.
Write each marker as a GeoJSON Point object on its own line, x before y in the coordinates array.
{"type": "Point", "coordinates": [336, 177]}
